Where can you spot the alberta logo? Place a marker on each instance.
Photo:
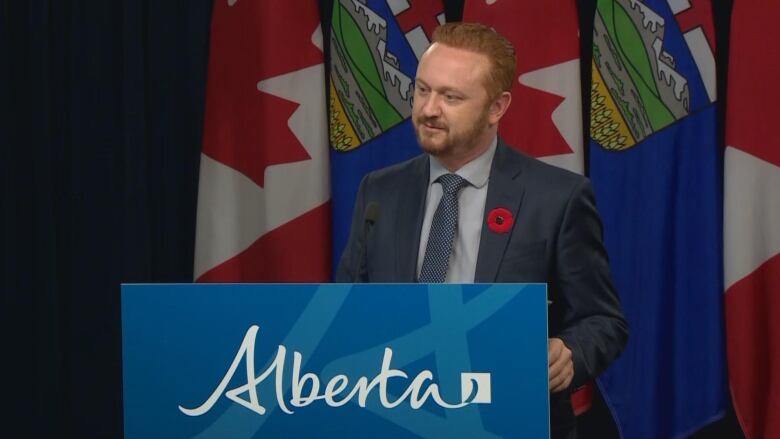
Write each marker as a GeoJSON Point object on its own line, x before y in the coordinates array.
{"type": "Point", "coordinates": [338, 391]}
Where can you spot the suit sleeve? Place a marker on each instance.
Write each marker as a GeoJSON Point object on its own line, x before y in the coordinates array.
{"type": "Point", "coordinates": [352, 265]}
{"type": "Point", "coordinates": [593, 326]}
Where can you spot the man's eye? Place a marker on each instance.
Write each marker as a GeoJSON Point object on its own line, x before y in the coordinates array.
{"type": "Point", "coordinates": [452, 98]}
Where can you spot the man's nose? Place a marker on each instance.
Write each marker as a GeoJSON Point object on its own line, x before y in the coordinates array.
{"type": "Point", "coordinates": [431, 106]}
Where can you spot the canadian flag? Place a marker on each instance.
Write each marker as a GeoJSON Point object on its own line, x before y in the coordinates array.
{"type": "Point", "coordinates": [545, 119]}
{"type": "Point", "coordinates": [752, 218]}
{"type": "Point", "coordinates": [263, 201]}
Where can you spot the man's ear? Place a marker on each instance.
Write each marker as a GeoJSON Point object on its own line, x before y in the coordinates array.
{"type": "Point", "coordinates": [498, 107]}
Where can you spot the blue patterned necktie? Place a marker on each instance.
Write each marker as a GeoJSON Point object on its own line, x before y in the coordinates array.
{"type": "Point", "coordinates": [443, 227]}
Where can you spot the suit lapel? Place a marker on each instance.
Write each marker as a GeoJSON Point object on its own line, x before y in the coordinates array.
{"type": "Point", "coordinates": [504, 190]}
{"type": "Point", "coordinates": [411, 209]}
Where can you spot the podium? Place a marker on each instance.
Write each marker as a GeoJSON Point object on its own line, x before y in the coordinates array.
{"type": "Point", "coordinates": [335, 360]}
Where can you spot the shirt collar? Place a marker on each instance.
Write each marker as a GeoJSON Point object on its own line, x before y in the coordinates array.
{"type": "Point", "coordinates": [476, 172]}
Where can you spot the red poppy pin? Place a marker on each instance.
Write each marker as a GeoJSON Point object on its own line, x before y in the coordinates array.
{"type": "Point", "coordinates": [500, 220]}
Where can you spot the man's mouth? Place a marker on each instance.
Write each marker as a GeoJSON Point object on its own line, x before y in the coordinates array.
{"type": "Point", "coordinates": [433, 126]}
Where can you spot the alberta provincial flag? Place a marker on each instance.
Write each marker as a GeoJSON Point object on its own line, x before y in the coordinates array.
{"type": "Point", "coordinates": [375, 46]}
{"type": "Point", "coordinates": [263, 210]}
{"type": "Point", "coordinates": [656, 170]}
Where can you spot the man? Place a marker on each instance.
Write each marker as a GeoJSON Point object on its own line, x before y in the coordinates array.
{"type": "Point", "coordinates": [473, 209]}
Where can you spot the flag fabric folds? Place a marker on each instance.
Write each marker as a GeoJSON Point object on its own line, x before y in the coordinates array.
{"type": "Point", "coordinates": [752, 218]}
{"type": "Point", "coordinates": [375, 46]}
{"type": "Point", "coordinates": [263, 200]}
{"type": "Point", "coordinates": [656, 170]}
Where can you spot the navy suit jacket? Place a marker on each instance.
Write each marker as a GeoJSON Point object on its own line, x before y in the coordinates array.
{"type": "Point", "coordinates": [556, 238]}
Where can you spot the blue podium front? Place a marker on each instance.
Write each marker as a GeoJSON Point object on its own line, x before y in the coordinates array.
{"type": "Point", "coordinates": [335, 360]}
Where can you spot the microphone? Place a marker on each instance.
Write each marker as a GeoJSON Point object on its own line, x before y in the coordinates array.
{"type": "Point", "coordinates": [370, 217]}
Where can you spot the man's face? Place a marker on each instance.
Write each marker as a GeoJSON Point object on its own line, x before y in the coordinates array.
{"type": "Point", "coordinates": [450, 112]}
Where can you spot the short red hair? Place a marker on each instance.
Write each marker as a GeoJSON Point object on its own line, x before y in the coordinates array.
{"type": "Point", "coordinates": [484, 40]}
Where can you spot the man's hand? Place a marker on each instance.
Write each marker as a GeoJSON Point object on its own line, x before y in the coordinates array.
{"type": "Point", "coordinates": [561, 366]}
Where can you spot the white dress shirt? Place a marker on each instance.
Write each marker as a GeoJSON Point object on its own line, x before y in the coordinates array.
{"type": "Point", "coordinates": [471, 209]}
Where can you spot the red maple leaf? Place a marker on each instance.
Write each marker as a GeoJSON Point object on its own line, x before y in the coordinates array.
{"type": "Point", "coordinates": [245, 128]}
{"type": "Point", "coordinates": [544, 34]}
{"type": "Point", "coordinates": [528, 123]}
